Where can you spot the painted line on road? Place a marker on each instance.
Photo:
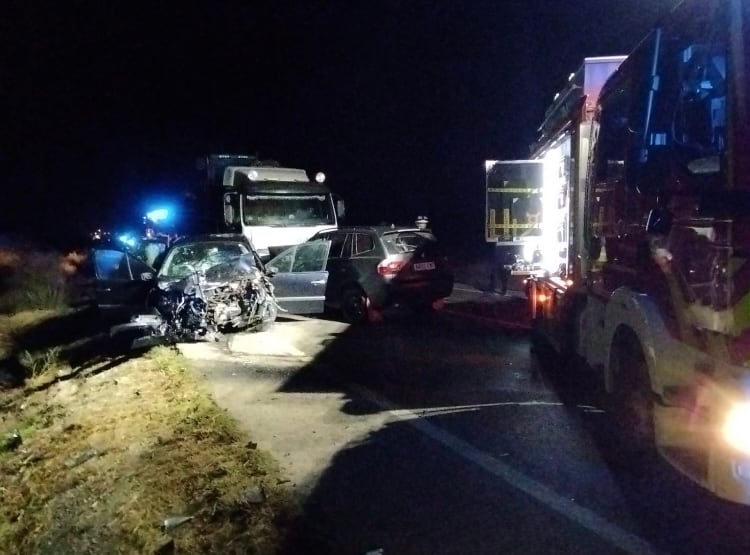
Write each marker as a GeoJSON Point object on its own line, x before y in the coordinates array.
{"type": "Point", "coordinates": [409, 414]}
{"type": "Point", "coordinates": [586, 518]}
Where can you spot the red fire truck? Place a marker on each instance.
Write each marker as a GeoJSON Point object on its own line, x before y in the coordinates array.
{"type": "Point", "coordinates": [652, 181]}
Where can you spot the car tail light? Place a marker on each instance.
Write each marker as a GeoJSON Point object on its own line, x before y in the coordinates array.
{"type": "Point", "coordinates": [390, 266]}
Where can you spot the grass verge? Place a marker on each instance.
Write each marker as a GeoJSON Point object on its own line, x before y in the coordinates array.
{"type": "Point", "coordinates": [103, 461]}
{"type": "Point", "coordinates": [14, 324]}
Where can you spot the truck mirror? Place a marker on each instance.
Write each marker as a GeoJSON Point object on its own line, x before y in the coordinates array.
{"type": "Point", "coordinates": [340, 209]}
{"type": "Point", "coordinates": [228, 214]}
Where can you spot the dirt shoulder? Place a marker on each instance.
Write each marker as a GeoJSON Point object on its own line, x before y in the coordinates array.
{"type": "Point", "coordinates": [133, 457]}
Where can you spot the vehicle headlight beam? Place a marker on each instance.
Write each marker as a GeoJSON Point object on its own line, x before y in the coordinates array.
{"type": "Point", "coordinates": [736, 429]}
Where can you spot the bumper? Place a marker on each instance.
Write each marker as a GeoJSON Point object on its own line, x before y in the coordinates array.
{"type": "Point", "coordinates": [695, 446]}
{"type": "Point", "coordinates": [412, 293]}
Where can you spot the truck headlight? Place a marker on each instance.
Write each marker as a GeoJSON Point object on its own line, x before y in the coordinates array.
{"type": "Point", "coordinates": [736, 428]}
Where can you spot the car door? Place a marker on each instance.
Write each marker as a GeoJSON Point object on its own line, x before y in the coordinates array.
{"type": "Point", "coordinates": [338, 257]}
{"type": "Point", "coordinates": [299, 277]}
{"type": "Point", "coordinates": [114, 279]}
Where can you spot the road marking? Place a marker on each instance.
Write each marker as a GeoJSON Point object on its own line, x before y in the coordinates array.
{"type": "Point", "coordinates": [586, 518]}
{"type": "Point", "coordinates": [408, 414]}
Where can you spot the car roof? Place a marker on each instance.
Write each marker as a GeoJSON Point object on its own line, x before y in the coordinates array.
{"type": "Point", "coordinates": [213, 238]}
{"type": "Point", "coordinates": [379, 229]}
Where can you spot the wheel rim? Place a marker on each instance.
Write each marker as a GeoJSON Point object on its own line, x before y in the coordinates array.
{"type": "Point", "coordinates": [354, 306]}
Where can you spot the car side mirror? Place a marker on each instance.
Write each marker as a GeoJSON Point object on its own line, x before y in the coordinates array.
{"type": "Point", "coordinates": [228, 214]}
{"type": "Point", "coordinates": [271, 271]}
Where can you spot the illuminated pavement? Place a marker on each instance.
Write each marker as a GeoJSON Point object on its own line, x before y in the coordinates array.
{"type": "Point", "coordinates": [443, 436]}
{"type": "Point", "coordinates": [490, 308]}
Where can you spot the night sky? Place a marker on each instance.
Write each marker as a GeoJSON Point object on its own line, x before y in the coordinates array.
{"type": "Point", "coordinates": [106, 106]}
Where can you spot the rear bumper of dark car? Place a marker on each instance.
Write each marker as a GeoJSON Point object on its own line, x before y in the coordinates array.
{"type": "Point", "coordinates": [414, 292]}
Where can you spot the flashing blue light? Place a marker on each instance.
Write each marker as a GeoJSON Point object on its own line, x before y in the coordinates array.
{"type": "Point", "coordinates": [128, 240]}
{"type": "Point", "coordinates": [158, 215]}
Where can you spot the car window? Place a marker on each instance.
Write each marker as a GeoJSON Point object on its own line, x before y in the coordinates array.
{"type": "Point", "coordinates": [406, 241]}
{"type": "Point", "coordinates": [283, 262]}
{"type": "Point", "coordinates": [337, 244]}
{"type": "Point", "coordinates": [111, 265]}
{"type": "Point", "coordinates": [363, 243]}
{"type": "Point", "coordinates": [347, 252]}
{"type": "Point", "coordinates": [139, 268]}
{"type": "Point", "coordinates": [310, 257]}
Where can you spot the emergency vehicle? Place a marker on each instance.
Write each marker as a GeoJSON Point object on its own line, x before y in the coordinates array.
{"type": "Point", "coordinates": [652, 179]}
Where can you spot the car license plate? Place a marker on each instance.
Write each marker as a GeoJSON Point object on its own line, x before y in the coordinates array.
{"type": "Point", "coordinates": [421, 266]}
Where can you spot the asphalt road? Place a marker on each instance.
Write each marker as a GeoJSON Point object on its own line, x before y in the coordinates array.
{"type": "Point", "coordinates": [441, 436]}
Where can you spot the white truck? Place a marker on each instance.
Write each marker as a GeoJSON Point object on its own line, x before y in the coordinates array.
{"type": "Point", "coordinates": [273, 206]}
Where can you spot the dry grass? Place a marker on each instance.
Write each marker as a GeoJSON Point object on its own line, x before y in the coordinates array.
{"type": "Point", "coordinates": [106, 459]}
{"type": "Point", "coordinates": [15, 324]}
{"type": "Point", "coordinates": [107, 456]}
{"type": "Point", "coordinates": [34, 279]}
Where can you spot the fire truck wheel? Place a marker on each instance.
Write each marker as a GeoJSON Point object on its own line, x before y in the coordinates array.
{"type": "Point", "coordinates": [633, 398]}
{"type": "Point", "coordinates": [538, 343]}
{"type": "Point", "coordinates": [571, 322]}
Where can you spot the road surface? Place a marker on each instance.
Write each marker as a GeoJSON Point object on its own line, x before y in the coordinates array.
{"type": "Point", "coordinates": [441, 436]}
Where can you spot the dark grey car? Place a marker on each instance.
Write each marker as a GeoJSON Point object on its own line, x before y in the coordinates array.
{"type": "Point", "coordinates": [359, 271]}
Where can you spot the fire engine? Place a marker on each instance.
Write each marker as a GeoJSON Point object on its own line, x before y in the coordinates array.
{"type": "Point", "coordinates": [647, 182]}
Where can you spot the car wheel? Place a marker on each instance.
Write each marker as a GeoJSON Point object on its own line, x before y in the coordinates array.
{"type": "Point", "coordinates": [354, 305]}
{"type": "Point", "coordinates": [268, 318]}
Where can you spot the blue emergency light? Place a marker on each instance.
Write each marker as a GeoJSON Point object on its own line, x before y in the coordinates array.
{"type": "Point", "coordinates": [158, 215]}
{"type": "Point", "coordinates": [127, 240]}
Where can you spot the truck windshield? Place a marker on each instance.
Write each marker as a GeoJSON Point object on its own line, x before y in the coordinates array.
{"type": "Point", "coordinates": [287, 210]}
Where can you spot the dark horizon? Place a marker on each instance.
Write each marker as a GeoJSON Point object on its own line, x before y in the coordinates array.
{"type": "Point", "coordinates": [398, 104]}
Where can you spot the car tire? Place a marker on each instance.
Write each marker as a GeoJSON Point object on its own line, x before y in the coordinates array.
{"type": "Point", "coordinates": [268, 318]}
{"type": "Point", "coordinates": [354, 305]}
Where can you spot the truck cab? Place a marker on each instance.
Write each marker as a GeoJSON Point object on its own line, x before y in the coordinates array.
{"type": "Point", "coordinates": [273, 206]}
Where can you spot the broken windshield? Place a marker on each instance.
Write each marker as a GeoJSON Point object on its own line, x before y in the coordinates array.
{"type": "Point", "coordinates": [185, 260]}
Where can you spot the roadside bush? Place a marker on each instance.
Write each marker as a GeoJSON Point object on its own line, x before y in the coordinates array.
{"type": "Point", "coordinates": [39, 363]}
{"type": "Point", "coordinates": [31, 280]}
